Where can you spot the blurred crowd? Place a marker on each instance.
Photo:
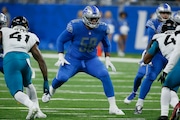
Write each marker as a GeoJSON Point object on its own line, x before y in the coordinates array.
{"type": "Point", "coordinates": [95, 2]}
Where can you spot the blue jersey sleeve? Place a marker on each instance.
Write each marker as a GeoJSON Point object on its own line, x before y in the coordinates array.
{"type": "Point", "coordinates": [150, 32]}
{"type": "Point", "coordinates": [154, 48]}
{"type": "Point", "coordinates": [64, 37]}
{"type": "Point", "coordinates": [153, 26]}
{"type": "Point", "coordinates": [106, 41]}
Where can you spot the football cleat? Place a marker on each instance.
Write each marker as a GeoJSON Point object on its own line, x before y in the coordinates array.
{"type": "Point", "coordinates": [115, 110]}
{"type": "Point", "coordinates": [129, 98]}
{"type": "Point", "coordinates": [46, 97]}
{"type": "Point", "coordinates": [176, 112]}
{"type": "Point", "coordinates": [163, 118]}
{"type": "Point", "coordinates": [138, 109]}
{"type": "Point", "coordinates": [40, 114]}
{"type": "Point", "coordinates": [32, 112]}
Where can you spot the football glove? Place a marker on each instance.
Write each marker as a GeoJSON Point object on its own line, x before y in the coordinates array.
{"type": "Point", "coordinates": [109, 64]}
{"type": "Point", "coordinates": [46, 87]}
{"type": "Point", "coordinates": [61, 60]}
{"type": "Point", "coordinates": [162, 77]}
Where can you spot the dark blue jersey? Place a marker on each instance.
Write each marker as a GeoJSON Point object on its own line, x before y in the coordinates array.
{"type": "Point", "coordinates": [83, 40]}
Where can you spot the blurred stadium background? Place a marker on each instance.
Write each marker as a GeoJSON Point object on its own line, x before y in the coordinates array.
{"type": "Point", "coordinates": [82, 97]}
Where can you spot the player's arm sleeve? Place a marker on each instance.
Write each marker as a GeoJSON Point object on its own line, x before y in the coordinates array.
{"type": "Point", "coordinates": [151, 52]}
{"type": "Point", "coordinates": [106, 41]}
{"type": "Point", "coordinates": [150, 33]}
{"type": "Point", "coordinates": [175, 56]}
{"type": "Point", "coordinates": [150, 29]}
{"type": "Point", "coordinates": [64, 37]}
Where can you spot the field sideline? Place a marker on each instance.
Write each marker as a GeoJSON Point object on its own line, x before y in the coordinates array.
{"type": "Point", "coordinates": [82, 97]}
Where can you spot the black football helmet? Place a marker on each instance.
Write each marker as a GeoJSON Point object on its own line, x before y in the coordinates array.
{"type": "Point", "coordinates": [168, 25]}
{"type": "Point", "coordinates": [20, 21]}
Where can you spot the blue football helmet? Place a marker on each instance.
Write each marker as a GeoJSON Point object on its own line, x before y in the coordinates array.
{"type": "Point", "coordinates": [91, 16]}
{"type": "Point", "coordinates": [163, 8]}
{"type": "Point", "coordinates": [3, 20]}
{"type": "Point", "coordinates": [176, 17]}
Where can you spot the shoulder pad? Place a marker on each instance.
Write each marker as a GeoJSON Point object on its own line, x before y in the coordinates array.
{"type": "Point", "coordinates": [158, 35]}
{"type": "Point", "coordinates": [105, 27]}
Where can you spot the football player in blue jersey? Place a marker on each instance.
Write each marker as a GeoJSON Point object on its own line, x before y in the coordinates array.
{"type": "Point", "coordinates": [3, 22]}
{"type": "Point", "coordinates": [85, 34]}
{"type": "Point", "coordinates": [150, 71]}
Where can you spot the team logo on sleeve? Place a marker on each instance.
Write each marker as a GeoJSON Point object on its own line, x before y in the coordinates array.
{"type": "Point", "coordinates": [69, 28]}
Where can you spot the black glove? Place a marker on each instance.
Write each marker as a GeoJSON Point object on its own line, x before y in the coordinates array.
{"type": "Point", "coordinates": [46, 86]}
{"type": "Point", "coordinates": [162, 77]}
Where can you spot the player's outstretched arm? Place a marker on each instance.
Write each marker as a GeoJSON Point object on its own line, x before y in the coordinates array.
{"type": "Point", "coordinates": [42, 65]}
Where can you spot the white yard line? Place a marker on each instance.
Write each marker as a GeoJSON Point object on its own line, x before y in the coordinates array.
{"type": "Point", "coordinates": [114, 59]}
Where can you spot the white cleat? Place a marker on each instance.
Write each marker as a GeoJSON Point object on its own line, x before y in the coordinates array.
{"type": "Point", "coordinates": [116, 111]}
{"type": "Point", "coordinates": [32, 112]}
{"type": "Point", "coordinates": [40, 114]}
{"type": "Point", "coordinates": [46, 97]}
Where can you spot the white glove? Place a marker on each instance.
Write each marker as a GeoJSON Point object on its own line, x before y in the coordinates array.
{"type": "Point", "coordinates": [109, 64]}
{"type": "Point", "coordinates": [61, 60]}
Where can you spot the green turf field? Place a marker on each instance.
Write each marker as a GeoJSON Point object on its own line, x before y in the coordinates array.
{"type": "Point", "coordinates": [82, 97]}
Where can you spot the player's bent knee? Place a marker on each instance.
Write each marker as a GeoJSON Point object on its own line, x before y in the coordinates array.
{"type": "Point", "coordinates": [62, 78]}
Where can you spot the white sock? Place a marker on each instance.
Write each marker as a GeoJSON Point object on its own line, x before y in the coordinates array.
{"type": "Point", "coordinates": [165, 100]}
{"type": "Point", "coordinates": [52, 90]}
{"type": "Point", "coordinates": [174, 99]}
{"type": "Point", "coordinates": [112, 101]}
{"type": "Point", "coordinates": [140, 102]}
{"type": "Point", "coordinates": [31, 92]}
{"type": "Point", "coordinates": [23, 99]}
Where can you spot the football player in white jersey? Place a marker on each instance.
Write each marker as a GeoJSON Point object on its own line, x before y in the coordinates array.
{"type": "Point", "coordinates": [170, 75]}
{"type": "Point", "coordinates": [17, 42]}
{"type": "Point", "coordinates": [164, 42]}
{"type": "Point", "coordinates": [3, 23]}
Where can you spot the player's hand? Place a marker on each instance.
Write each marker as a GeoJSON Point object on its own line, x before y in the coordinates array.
{"type": "Point", "coordinates": [109, 64]}
{"type": "Point", "coordinates": [46, 87]}
{"type": "Point", "coordinates": [162, 77]}
{"type": "Point", "coordinates": [61, 60]}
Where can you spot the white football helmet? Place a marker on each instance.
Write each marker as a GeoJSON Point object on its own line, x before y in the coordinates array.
{"type": "Point", "coordinates": [91, 16]}
{"type": "Point", "coordinates": [163, 8]}
{"type": "Point", "coordinates": [3, 20]}
{"type": "Point", "coordinates": [176, 17]}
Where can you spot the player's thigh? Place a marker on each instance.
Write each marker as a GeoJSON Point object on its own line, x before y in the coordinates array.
{"type": "Point", "coordinates": [96, 68]}
{"type": "Point", "coordinates": [26, 74]}
{"type": "Point", "coordinates": [173, 78]}
{"type": "Point", "coordinates": [13, 77]}
{"type": "Point", "coordinates": [68, 70]}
